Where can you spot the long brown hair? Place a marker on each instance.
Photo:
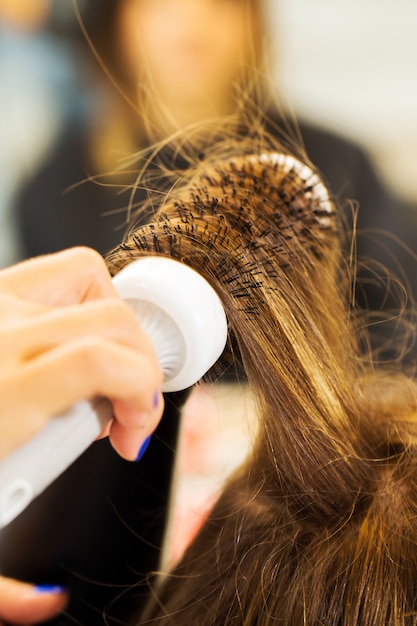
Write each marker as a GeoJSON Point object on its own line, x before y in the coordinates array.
{"type": "Point", "coordinates": [318, 527]}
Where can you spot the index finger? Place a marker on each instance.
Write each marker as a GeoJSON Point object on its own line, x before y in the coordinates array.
{"type": "Point", "coordinates": [24, 603]}
{"type": "Point", "coordinates": [69, 277]}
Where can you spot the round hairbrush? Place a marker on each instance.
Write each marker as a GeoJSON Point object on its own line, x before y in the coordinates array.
{"type": "Point", "coordinates": [185, 320]}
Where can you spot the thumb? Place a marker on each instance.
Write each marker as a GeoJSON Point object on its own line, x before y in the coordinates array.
{"type": "Point", "coordinates": [21, 603]}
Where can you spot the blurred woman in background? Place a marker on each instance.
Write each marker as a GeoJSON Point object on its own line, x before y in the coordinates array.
{"type": "Point", "coordinates": [174, 64]}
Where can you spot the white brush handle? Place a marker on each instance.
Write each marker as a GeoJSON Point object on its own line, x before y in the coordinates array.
{"type": "Point", "coordinates": [185, 320]}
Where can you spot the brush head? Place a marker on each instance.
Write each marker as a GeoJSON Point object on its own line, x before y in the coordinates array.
{"type": "Point", "coordinates": [245, 221]}
{"type": "Point", "coordinates": [184, 319]}
{"type": "Point", "coordinates": [180, 312]}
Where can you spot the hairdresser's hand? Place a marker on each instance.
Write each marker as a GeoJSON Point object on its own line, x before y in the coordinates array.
{"type": "Point", "coordinates": [24, 604]}
{"type": "Point", "coordinates": [65, 336]}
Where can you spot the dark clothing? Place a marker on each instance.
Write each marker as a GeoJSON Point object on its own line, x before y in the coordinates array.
{"type": "Point", "coordinates": [60, 208]}
{"type": "Point", "coordinates": [57, 210]}
{"type": "Point", "coordinates": [98, 528]}
{"type": "Point", "coordinates": [53, 217]}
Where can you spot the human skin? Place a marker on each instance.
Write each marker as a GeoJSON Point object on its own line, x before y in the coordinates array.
{"type": "Point", "coordinates": [25, 14]}
{"type": "Point", "coordinates": [66, 336]}
{"type": "Point", "coordinates": [21, 603]}
{"type": "Point", "coordinates": [190, 51]}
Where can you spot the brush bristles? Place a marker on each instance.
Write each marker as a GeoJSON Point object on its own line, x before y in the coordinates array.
{"type": "Point", "coordinates": [239, 222]}
{"type": "Point", "coordinates": [270, 203]}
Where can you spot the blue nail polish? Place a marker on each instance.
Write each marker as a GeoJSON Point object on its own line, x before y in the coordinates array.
{"type": "Point", "coordinates": [143, 448]}
{"type": "Point", "coordinates": [156, 397]}
{"type": "Point", "coordinates": [55, 589]}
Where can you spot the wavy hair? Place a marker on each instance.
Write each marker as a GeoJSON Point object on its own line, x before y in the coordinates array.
{"type": "Point", "coordinates": [318, 527]}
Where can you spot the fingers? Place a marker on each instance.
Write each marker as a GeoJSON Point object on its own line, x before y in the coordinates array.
{"type": "Point", "coordinates": [127, 433]}
{"type": "Point", "coordinates": [89, 367]}
{"type": "Point", "coordinates": [12, 309]}
{"type": "Point", "coordinates": [108, 318]}
{"type": "Point", "coordinates": [82, 369]}
{"type": "Point", "coordinates": [60, 279]}
{"type": "Point", "coordinates": [66, 336]}
{"type": "Point", "coordinates": [21, 603]}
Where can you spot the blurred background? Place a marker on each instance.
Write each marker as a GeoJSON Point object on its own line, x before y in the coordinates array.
{"type": "Point", "coordinates": [352, 67]}
{"type": "Point", "coordinates": [348, 67]}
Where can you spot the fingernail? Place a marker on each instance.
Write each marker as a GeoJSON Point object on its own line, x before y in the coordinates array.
{"type": "Point", "coordinates": [54, 589]}
{"type": "Point", "coordinates": [156, 398]}
{"type": "Point", "coordinates": [143, 448]}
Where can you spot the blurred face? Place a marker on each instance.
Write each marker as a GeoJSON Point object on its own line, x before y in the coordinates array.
{"type": "Point", "coordinates": [190, 49]}
{"type": "Point", "coordinates": [30, 14]}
